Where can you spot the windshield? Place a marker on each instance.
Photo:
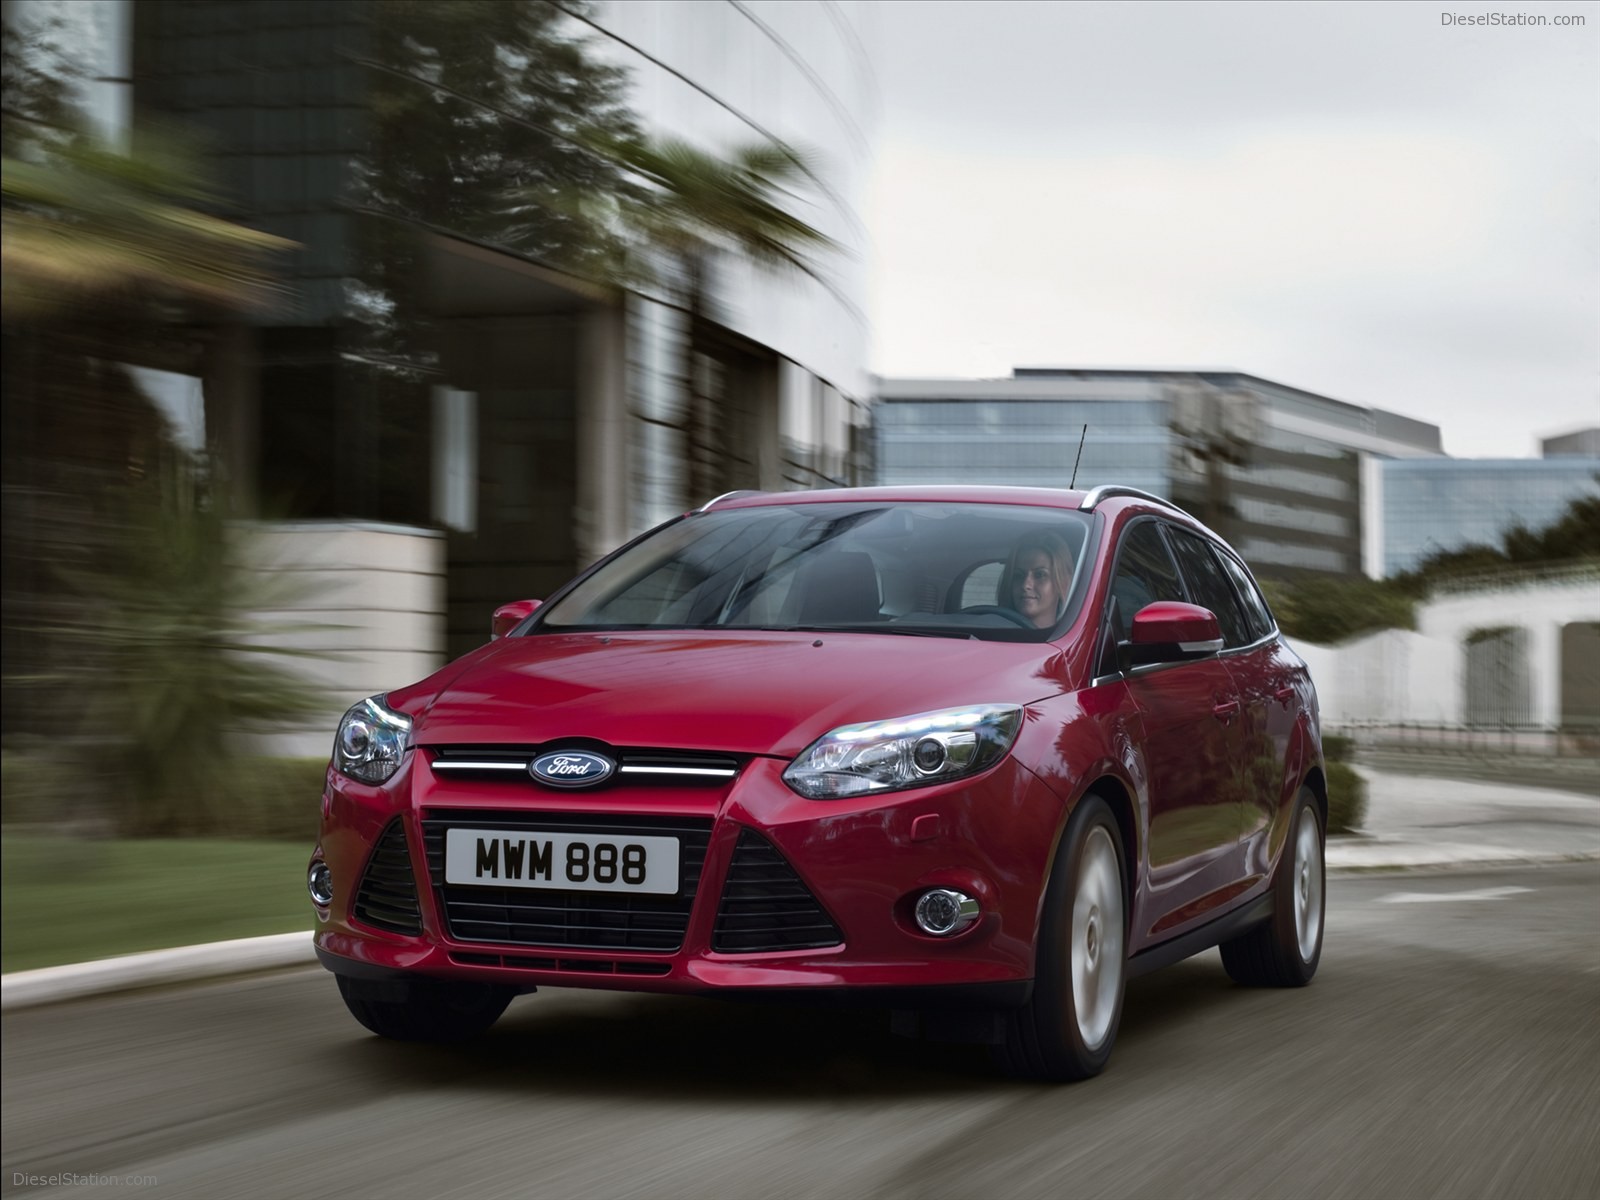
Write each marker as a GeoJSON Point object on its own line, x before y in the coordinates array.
{"type": "Point", "coordinates": [1005, 572]}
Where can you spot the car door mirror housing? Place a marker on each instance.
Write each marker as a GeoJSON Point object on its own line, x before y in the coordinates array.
{"type": "Point", "coordinates": [508, 616]}
{"type": "Point", "coordinates": [1168, 632]}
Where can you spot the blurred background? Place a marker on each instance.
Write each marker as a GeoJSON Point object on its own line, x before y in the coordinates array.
{"type": "Point", "coordinates": [330, 327]}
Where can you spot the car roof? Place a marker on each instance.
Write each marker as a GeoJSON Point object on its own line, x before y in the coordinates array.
{"type": "Point", "coordinates": [948, 493]}
{"type": "Point", "coordinates": [1080, 499]}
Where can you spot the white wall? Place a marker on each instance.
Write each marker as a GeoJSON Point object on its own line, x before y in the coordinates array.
{"type": "Point", "coordinates": [365, 601]}
{"type": "Point", "coordinates": [1391, 677]}
{"type": "Point", "coordinates": [1399, 676]}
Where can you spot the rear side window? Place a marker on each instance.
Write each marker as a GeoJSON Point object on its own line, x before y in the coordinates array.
{"type": "Point", "coordinates": [1145, 574]}
{"type": "Point", "coordinates": [982, 585]}
{"type": "Point", "coordinates": [1255, 608]}
{"type": "Point", "coordinates": [1210, 587]}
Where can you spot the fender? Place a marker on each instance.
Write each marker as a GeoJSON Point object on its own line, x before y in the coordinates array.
{"type": "Point", "coordinates": [1092, 744]}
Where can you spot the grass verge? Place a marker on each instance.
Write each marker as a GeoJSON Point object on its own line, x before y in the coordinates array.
{"type": "Point", "coordinates": [66, 900]}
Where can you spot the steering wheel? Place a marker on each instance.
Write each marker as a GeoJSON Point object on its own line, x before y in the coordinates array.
{"type": "Point", "coordinates": [998, 610]}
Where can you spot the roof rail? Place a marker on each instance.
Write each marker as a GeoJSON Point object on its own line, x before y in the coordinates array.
{"type": "Point", "coordinates": [728, 496]}
{"type": "Point", "coordinates": [1107, 490]}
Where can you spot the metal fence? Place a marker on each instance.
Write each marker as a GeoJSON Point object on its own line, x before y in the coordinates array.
{"type": "Point", "coordinates": [1474, 740]}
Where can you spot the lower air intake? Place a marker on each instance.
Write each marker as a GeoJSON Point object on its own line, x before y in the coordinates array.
{"type": "Point", "coordinates": [387, 898]}
{"type": "Point", "coordinates": [766, 907]}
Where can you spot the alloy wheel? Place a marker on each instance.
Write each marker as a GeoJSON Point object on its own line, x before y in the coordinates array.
{"type": "Point", "coordinates": [1097, 939]}
{"type": "Point", "coordinates": [1308, 886]}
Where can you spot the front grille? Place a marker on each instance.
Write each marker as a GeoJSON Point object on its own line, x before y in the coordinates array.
{"type": "Point", "coordinates": [387, 898]}
{"type": "Point", "coordinates": [586, 966]}
{"type": "Point", "coordinates": [765, 906]}
{"type": "Point", "coordinates": [580, 920]}
{"type": "Point", "coordinates": [635, 767]}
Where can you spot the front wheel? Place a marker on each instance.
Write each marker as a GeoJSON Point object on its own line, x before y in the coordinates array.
{"type": "Point", "coordinates": [424, 1010]}
{"type": "Point", "coordinates": [1285, 949]}
{"type": "Point", "coordinates": [1067, 1028]}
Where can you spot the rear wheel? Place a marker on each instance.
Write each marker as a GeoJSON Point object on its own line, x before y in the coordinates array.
{"type": "Point", "coordinates": [1067, 1028]}
{"type": "Point", "coordinates": [424, 1010]}
{"type": "Point", "coordinates": [1284, 950]}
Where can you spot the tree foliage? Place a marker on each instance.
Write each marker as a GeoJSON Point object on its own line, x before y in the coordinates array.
{"type": "Point", "coordinates": [481, 115]}
{"type": "Point", "coordinates": [181, 660]}
{"type": "Point", "coordinates": [1330, 610]}
{"type": "Point", "coordinates": [684, 204]}
{"type": "Point", "coordinates": [1325, 610]}
{"type": "Point", "coordinates": [678, 210]}
{"type": "Point", "coordinates": [86, 224]}
{"type": "Point", "coordinates": [129, 648]}
{"type": "Point", "coordinates": [36, 84]}
{"type": "Point", "coordinates": [478, 101]}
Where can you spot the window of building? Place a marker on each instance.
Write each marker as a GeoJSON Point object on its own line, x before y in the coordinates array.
{"type": "Point", "coordinates": [1292, 516]}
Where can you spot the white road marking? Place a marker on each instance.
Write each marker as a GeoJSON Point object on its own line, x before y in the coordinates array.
{"type": "Point", "coordinates": [1499, 893]}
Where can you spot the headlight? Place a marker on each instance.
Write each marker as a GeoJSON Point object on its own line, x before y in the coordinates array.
{"type": "Point", "coordinates": [907, 752]}
{"type": "Point", "coordinates": [371, 741]}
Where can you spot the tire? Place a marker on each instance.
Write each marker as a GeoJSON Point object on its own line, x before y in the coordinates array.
{"type": "Point", "coordinates": [1284, 950]}
{"type": "Point", "coordinates": [1067, 1028]}
{"type": "Point", "coordinates": [424, 1010]}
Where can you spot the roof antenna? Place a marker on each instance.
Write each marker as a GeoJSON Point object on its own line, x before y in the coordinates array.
{"type": "Point", "coordinates": [1079, 459]}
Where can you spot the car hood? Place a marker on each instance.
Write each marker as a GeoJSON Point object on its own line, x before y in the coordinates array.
{"type": "Point", "coordinates": [746, 693]}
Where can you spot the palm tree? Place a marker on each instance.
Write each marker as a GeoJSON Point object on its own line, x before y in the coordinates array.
{"type": "Point", "coordinates": [128, 621]}
{"type": "Point", "coordinates": [83, 223]}
{"type": "Point", "coordinates": [681, 209]}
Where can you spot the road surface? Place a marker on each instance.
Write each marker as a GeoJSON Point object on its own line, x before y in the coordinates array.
{"type": "Point", "coordinates": [1450, 1047]}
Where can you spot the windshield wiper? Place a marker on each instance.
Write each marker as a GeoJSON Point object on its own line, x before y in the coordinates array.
{"type": "Point", "coordinates": [902, 630]}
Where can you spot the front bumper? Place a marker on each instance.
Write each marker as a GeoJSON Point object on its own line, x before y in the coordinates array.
{"type": "Point", "coordinates": [864, 861]}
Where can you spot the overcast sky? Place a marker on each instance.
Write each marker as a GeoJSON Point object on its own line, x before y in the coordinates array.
{"type": "Point", "coordinates": [1352, 198]}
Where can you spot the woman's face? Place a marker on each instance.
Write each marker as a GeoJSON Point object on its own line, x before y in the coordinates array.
{"type": "Point", "coordinates": [1033, 589]}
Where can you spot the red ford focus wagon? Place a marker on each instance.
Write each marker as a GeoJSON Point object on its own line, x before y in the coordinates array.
{"type": "Point", "coordinates": [977, 755]}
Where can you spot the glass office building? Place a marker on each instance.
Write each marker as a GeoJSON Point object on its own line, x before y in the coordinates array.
{"type": "Point", "coordinates": [454, 348]}
{"type": "Point", "coordinates": [1030, 443]}
{"type": "Point", "coordinates": [1275, 469]}
{"type": "Point", "coordinates": [793, 361]}
{"type": "Point", "coordinates": [1435, 506]}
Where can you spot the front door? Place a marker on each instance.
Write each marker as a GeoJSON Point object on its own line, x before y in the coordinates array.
{"type": "Point", "coordinates": [1190, 718]}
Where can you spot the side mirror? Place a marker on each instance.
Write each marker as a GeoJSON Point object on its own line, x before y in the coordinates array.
{"type": "Point", "coordinates": [1167, 632]}
{"type": "Point", "coordinates": [508, 616]}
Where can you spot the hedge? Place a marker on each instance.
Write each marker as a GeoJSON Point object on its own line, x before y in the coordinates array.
{"type": "Point", "coordinates": [275, 799]}
{"type": "Point", "coordinates": [1347, 798]}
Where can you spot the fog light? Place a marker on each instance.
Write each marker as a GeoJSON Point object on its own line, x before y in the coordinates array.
{"type": "Point", "coordinates": [319, 882]}
{"type": "Point", "coordinates": [944, 911]}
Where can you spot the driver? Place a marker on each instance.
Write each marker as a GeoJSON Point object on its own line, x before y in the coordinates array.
{"type": "Point", "coordinates": [1036, 577]}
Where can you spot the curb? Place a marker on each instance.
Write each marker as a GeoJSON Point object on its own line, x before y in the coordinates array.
{"type": "Point", "coordinates": [181, 964]}
{"type": "Point", "coordinates": [1344, 855]}
{"type": "Point", "coordinates": [242, 956]}
{"type": "Point", "coordinates": [1353, 859]}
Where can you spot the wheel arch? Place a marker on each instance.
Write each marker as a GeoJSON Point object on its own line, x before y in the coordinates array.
{"type": "Point", "coordinates": [1317, 781]}
{"type": "Point", "coordinates": [1118, 797]}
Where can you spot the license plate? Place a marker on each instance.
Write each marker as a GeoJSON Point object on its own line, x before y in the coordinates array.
{"type": "Point", "coordinates": [567, 862]}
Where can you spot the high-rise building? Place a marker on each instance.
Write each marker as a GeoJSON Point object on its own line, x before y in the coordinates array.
{"type": "Point", "coordinates": [452, 349]}
{"type": "Point", "coordinates": [1277, 470]}
{"type": "Point", "coordinates": [1436, 506]}
{"type": "Point", "coordinates": [1580, 443]}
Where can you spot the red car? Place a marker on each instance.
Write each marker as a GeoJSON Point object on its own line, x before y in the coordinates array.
{"type": "Point", "coordinates": [977, 755]}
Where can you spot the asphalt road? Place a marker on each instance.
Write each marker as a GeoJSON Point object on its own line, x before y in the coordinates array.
{"type": "Point", "coordinates": [1449, 1047]}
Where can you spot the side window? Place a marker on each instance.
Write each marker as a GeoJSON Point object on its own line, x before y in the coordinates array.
{"type": "Point", "coordinates": [1255, 608]}
{"type": "Point", "coordinates": [1145, 574]}
{"type": "Point", "coordinates": [982, 585]}
{"type": "Point", "coordinates": [1210, 587]}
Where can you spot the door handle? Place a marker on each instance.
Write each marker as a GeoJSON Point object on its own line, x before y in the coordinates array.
{"type": "Point", "coordinates": [1284, 694]}
{"type": "Point", "coordinates": [1225, 711]}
